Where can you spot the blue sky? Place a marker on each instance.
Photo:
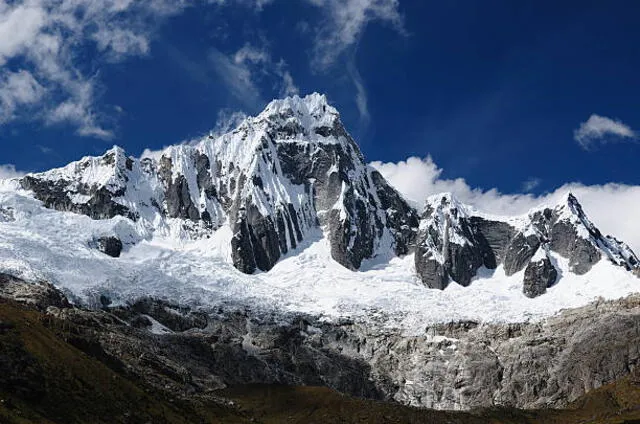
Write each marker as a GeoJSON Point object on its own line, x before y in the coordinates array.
{"type": "Point", "coordinates": [520, 96]}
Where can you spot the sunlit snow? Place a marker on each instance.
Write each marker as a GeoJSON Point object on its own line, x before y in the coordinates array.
{"type": "Point", "coordinates": [42, 244]}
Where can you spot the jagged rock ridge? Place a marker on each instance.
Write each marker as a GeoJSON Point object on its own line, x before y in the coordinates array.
{"type": "Point", "coordinates": [454, 243]}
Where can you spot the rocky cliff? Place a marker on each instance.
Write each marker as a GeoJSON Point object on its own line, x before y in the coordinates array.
{"type": "Point", "coordinates": [455, 366]}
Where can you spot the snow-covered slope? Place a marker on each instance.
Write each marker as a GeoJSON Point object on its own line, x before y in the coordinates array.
{"type": "Point", "coordinates": [283, 214]}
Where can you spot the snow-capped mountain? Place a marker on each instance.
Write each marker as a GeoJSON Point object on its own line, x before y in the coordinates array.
{"type": "Point", "coordinates": [454, 242]}
{"type": "Point", "coordinates": [292, 168]}
{"type": "Point", "coordinates": [284, 212]}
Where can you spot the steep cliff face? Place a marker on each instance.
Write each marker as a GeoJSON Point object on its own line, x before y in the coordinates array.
{"type": "Point", "coordinates": [454, 242]}
{"type": "Point", "coordinates": [292, 168]}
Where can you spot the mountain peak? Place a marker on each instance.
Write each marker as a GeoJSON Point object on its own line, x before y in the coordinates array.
{"type": "Point", "coordinates": [314, 104]}
{"type": "Point", "coordinates": [445, 201]}
{"type": "Point", "coordinates": [310, 116]}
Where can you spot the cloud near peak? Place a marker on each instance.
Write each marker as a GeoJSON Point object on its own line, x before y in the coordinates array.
{"type": "Point", "coordinates": [600, 129]}
{"type": "Point", "coordinates": [9, 171]}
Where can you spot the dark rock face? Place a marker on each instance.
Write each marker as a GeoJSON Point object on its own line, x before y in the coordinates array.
{"type": "Point", "coordinates": [495, 236]}
{"type": "Point", "coordinates": [581, 253]}
{"type": "Point", "coordinates": [179, 204]}
{"type": "Point", "coordinates": [56, 195]}
{"type": "Point", "coordinates": [463, 262]}
{"type": "Point", "coordinates": [538, 276]}
{"type": "Point", "coordinates": [583, 256]}
{"type": "Point", "coordinates": [264, 238]}
{"type": "Point", "coordinates": [40, 295]}
{"type": "Point", "coordinates": [431, 272]}
{"type": "Point", "coordinates": [452, 246]}
{"type": "Point", "coordinates": [339, 170]}
{"type": "Point", "coordinates": [111, 246]}
{"type": "Point", "coordinates": [241, 246]}
{"type": "Point", "coordinates": [170, 315]}
{"type": "Point", "coordinates": [519, 251]}
{"type": "Point", "coordinates": [177, 195]}
{"type": "Point", "coordinates": [402, 220]}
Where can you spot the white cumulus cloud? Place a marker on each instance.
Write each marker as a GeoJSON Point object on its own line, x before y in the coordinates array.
{"type": "Point", "coordinates": [600, 129]}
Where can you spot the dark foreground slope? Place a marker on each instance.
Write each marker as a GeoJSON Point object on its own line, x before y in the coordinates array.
{"type": "Point", "coordinates": [49, 375]}
{"type": "Point", "coordinates": [52, 372]}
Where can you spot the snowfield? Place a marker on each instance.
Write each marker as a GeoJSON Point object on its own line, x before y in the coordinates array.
{"type": "Point", "coordinates": [37, 244]}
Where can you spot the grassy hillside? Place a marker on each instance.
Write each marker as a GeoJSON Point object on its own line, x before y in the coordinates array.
{"type": "Point", "coordinates": [44, 379]}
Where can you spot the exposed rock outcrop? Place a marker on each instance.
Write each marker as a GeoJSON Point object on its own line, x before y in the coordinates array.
{"type": "Point", "coordinates": [109, 245]}
{"type": "Point", "coordinates": [538, 276]}
{"type": "Point", "coordinates": [40, 295]}
{"type": "Point", "coordinates": [447, 246]}
{"type": "Point", "coordinates": [462, 365]}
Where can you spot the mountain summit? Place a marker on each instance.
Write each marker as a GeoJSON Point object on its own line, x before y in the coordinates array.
{"type": "Point", "coordinates": [292, 172]}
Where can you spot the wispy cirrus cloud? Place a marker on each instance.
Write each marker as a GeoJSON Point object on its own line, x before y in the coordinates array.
{"type": "Point", "coordinates": [237, 78]}
{"type": "Point", "coordinates": [344, 23]}
{"type": "Point", "coordinates": [361, 93]}
{"type": "Point", "coordinates": [242, 70]}
{"type": "Point", "coordinates": [339, 32]}
{"type": "Point", "coordinates": [260, 58]}
{"type": "Point", "coordinates": [531, 184]}
{"type": "Point", "coordinates": [602, 130]}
